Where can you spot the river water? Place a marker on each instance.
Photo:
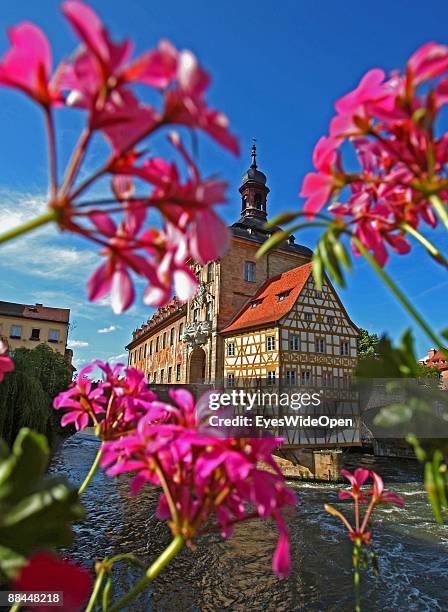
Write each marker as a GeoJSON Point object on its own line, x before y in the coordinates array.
{"type": "Point", "coordinates": [236, 574]}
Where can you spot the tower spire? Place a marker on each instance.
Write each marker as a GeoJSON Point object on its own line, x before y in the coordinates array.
{"type": "Point", "coordinates": [254, 154]}
{"type": "Point", "coordinates": [254, 191]}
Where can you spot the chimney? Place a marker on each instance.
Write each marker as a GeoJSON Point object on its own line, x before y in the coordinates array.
{"type": "Point", "coordinates": [431, 353]}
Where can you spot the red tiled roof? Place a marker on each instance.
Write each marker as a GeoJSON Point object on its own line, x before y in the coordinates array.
{"type": "Point", "coordinates": [438, 360]}
{"type": "Point", "coordinates": [269, 308]}
{"type": "Point", "coordinates": [35, 311]}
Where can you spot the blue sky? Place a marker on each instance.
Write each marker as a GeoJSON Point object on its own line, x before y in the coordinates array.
{"type": "Point", "coordinates": [277, 69]}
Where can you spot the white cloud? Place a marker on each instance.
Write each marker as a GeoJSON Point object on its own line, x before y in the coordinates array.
{"type": "Point", "coordinates": [121, 358]}
{"type": "Point", "coordinates": [44, 252]}
{"type": "Point", "coordinates": [77, 343]}
{"type": "Point", "coordinates": [107, 330]}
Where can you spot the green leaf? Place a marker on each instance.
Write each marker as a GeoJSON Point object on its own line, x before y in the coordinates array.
{"type": "Point", "coordinates": [341, 253]}
{"type": "Point", "coordinates": [431, 491]}
{"type": "Point", "coordinates": [318, 270]}
{"type": "Point", "coordinates": [439, 481]}
{"type": "Point", "coordinates": [272, 242]}
{"type": "Point", "coordinates": [445, 333]}
{"type": "Point", "coordinates": [10, 562]}
{"type": "Point", "coordinates": [36, 510]}
{"type": "Point", "coordinates": [329, 260]}
{"type": "Point", "coordinates": [285, 217]}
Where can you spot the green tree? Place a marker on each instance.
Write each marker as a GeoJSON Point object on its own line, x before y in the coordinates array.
{"type": "Point", "coordinates": [427, 371]}
{"type": "Point", "coordinates": [27, 393]}
{"type": "Point", "coordinates": [367, 344]}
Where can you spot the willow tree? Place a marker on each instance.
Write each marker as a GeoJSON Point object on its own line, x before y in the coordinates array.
{"type": "Point", "coordinates": [26, 394]}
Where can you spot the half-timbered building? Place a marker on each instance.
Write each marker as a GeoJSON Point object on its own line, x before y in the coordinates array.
{"type": "Point", "coordinates": [252, 319]}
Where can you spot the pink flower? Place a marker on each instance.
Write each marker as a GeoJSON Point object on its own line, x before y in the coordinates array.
{"type": "Point", "coordinates": [27, 64]}
{"type": "Point", "coordinates": [157, 68]}
{"type": "Point", "coordinates": [186, 105]}
{"type": "Point", "coordinates": [428, 62]}
{"type": "Point", "coordinates": [370, 88]}
{"type": "Point", "coordinates": [281, 561]}
{"type": "Point", "coordinates": [114, 276]}
{"type": "Point", "coordinates": [84, 400]}
{"type": "Point", "coordinates": [87, 25]}
{"type": "Point", "coordinates": [317, 188]}
{"type": "Point", "coordinates": [356, 480]}
{"type": "Point", "coordinates": [380, 495]}
{"type": "Point", "coordinates": [99, 78]}
{"type": "Point", "coordinates": [114, 405]}
{"type": "Point", "coordinates": [203, 477]}
{"type": "Point", "coordinates": [6, 363]}
{"type": "Point", "coordinates": [209, 236]}
{"type": "Point", "coordinates": [105, 65]}
{"type": "Point", "coordinates": [123, 119]}
{"type": "Point", "coordinates": [46, 573]}
{"type": "Point", "coordinates": [171, 249]}
{"type": "Point", "coordinates": [324, 154]}
{"type": "Point", "coordinates": [391, 124]}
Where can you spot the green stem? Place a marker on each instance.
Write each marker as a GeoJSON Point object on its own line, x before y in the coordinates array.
{"type": "Point", "coordinates": [92, 471]}
{"type": "Point", "coordinates": [16, 607]}
{"type": "Point", "coordinates": [52, 158]}
{"type": "Point", "coordinates": [51, 215]}
{"type": "Point", "coordinates": [433, 250]}
{"type": "Point", "coordinates": [96, 590]}
{"type": "Point", "coordinates": [152, 572]}
{"type": "Point", "coordinates": [440, 208]}
{"type": "Point", "coordinates": [398, 294]}
{"type": "Point", "coordinates": [356, 576]}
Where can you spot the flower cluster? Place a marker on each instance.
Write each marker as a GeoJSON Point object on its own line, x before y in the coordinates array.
{"type": "Point", "coordinates": [99, 80]}
{"type": "Point", "coordinates": [207, 481]}
{"type": "Point", "coordinates": [113, 405]}
{"type": "Point", "coordinates": [372, 497]}
{"type": "Point", "coordinates": [400, 177]}
{"type": "Point", "coordinates": [6, 363]}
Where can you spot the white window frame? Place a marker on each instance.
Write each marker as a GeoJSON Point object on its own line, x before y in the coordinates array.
{"type": "Point", "coordinates": [345, 348]}
{"type": "Point", "coordinates": [294, 343]}
{"type": "Point", "coordinates": [231, 349]}
{"type": "Point", "coordinates": [321, 346]}
{"type": "Point", "coordinates": [270, 343]}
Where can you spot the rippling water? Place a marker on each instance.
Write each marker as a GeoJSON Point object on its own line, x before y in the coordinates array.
{"type": "Point", "coordinates": [236, 574]}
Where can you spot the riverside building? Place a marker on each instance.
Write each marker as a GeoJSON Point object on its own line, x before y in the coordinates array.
{"type": "Point", "coordinates": [253, 322]}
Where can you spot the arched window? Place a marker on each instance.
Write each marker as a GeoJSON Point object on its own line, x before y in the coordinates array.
{"type": "Point", "coordinates": [257, 201]}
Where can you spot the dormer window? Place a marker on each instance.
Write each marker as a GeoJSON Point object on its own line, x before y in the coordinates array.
{"type": "Point", "coordinates": [255, 303]}
{"type": "Point", "coordinates": [283, 295]}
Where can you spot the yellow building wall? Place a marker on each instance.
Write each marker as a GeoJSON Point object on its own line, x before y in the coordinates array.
{"type": "Point", "coordinates": [252, 361]}
{"type": "Point", "coordinates": [27, 325]}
